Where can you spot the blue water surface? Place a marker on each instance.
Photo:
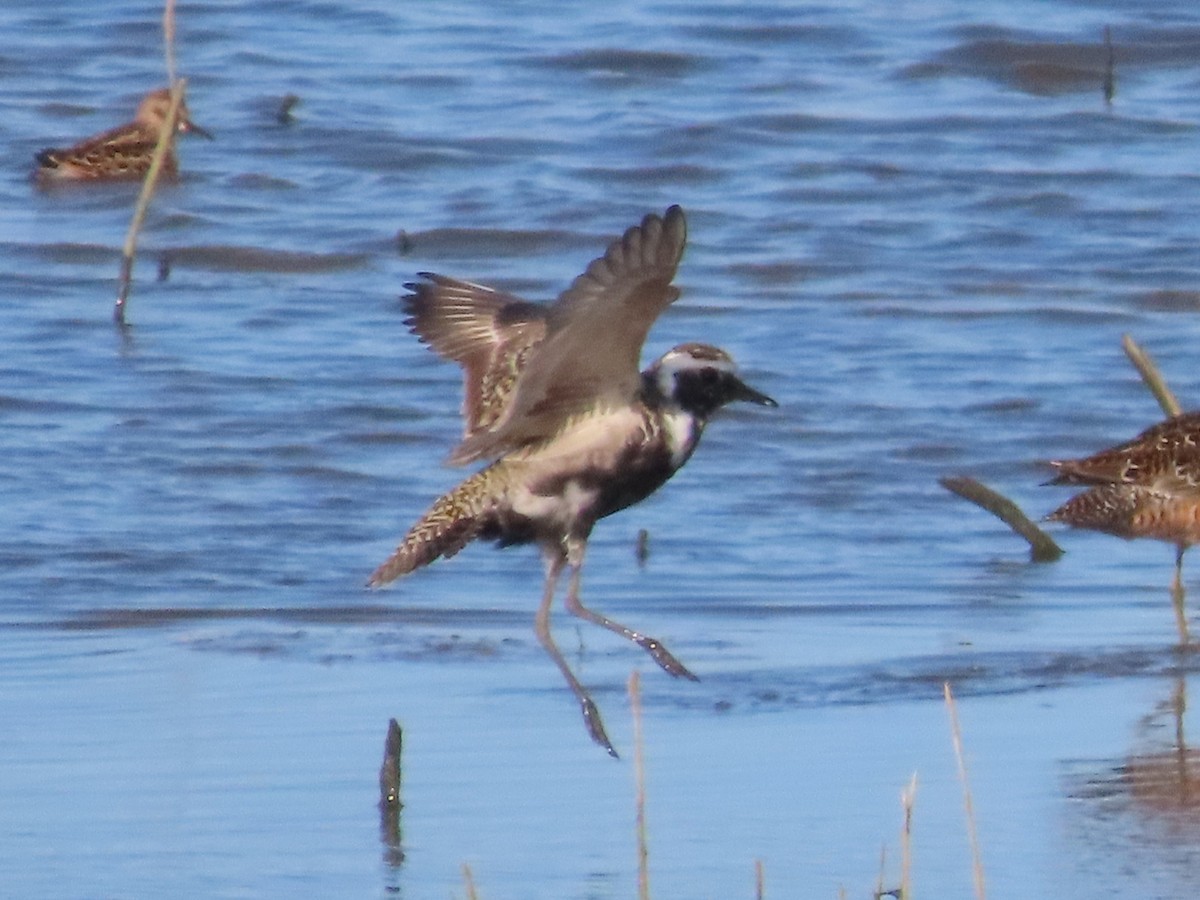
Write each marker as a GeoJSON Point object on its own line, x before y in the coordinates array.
{"type": "Point", "coordinates": [920, 227]}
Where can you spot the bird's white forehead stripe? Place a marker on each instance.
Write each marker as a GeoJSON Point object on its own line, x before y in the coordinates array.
{"type": "Point", "coordinates": [676, 361]}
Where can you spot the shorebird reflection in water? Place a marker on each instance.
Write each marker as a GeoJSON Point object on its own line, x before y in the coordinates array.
{"type": "Point", "coordinates": [1146, 487]}
{"type": "Point", "coordinates": [573, 431]}
{"type": "Point", "coordinates": [122, 153]}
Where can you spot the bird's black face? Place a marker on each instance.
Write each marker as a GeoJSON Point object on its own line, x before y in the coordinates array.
{"type": "Point", "coordinates": [703, 391]}
{"type": "Point", "coordinates": [702, 379]}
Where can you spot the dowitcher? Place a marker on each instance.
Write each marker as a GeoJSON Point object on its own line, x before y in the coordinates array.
{"type": "Point", "coordinates": [571, 430]}
{"type": "Point", "coordinates": [1145, 487]}
{"type": "Point", "coordinates": [121, 153]}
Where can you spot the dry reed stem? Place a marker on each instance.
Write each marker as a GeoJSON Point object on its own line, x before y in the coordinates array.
{"type": "Point", "coordinates": [1151, 376]}
{"type": "Point", "coordinates": [1042, 547]}
{"type": "Point", "coordinates": [760, 880]}
{"type": "Point", "coordinates": [639, 778]}
{"type": "Point", "coordinates": [143, 202]}
{"type": "Point", "coordinates": [908, 798]}
{"type": "Point", "coordinates": [879, 891]}
{"type": "Point", "coordinates": [169, 39]}
{"type": "Point", "coordinates": [469, 882]}
{"type": "Point", "coordinates": [165, 136]}
{"type": "Point", "coordinates": [972, 835]}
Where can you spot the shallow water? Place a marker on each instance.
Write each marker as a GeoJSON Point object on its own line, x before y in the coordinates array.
{"type": "Point", "coordinates": [921, 229]}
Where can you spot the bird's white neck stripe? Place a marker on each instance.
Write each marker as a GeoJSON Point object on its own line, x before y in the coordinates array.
{"type": "Point", "coordinates": [681, 430]}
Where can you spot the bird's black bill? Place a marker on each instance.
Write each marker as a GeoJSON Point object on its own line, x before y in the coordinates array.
{"type": "Point", "coordinates": [189, 127]}
{"type": "Point", "coordinates": [743, 391]}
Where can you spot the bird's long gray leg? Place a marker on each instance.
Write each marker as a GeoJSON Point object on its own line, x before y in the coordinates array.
{"type": "Point", "coordinates": [653, 646]}
{"type": "Point", "coordinates": [555, 560]}
{"type": "Point", "coordinates": [1177, 596]}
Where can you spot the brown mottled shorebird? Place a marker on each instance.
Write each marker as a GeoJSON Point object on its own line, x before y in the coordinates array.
{"type": "Point", "coordinates": [1145, 487]}
{"type": "Point", "coordinates": [573, 431]}
{"type": "Point", "coordinates": [122, 153]}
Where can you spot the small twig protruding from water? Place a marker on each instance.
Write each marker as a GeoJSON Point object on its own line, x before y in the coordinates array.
{"type": "Point", "coordinates": [284, 114]}
{"type": "Point", "coordinates": [1110, 69]}
{"type": "Point", "coordinates": [1042, 547]}
{"type": "Point", "coordinates": [639, 778]}
{"type": "Point", "coordinates": [1151, 376]}
{"type": "Point", "coordinates": [760, 880]}
{"type": "Point", "coordinates": [643, 546]}
{"type": "Point", "coordinates": [968, 803]}
{"type": "Point", "coordinates": [908, 799]}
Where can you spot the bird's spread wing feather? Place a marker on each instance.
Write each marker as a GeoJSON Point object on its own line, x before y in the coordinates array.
{"type": "Point", "coordinates": [594, 337]}
{"type": "Point", "coordinates": [488, 332]}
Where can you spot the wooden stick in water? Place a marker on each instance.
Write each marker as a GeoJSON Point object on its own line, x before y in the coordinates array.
{"type": "Point", "coordinates": [1151, 376]}
{"type": "Point", "coordinates": [1042, 547]}
{"type": "Point", "coordinates": [390, 802]}
{"type": "Point", "coordinates": [389, 771]}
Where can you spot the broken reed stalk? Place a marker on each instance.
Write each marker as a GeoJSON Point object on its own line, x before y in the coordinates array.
{"type": "Point", "coordinates": [1151, 376]}
{"type": "Point", "coordinates": [170, 123]}
{"type": "Point", "coordinates": [639, 777]}
{"type": "Point", "coordinates": [1042, 547]}
{"type": "Point", "coordinates": [908, 798]}
{"type": "Point", "coordinates": [760, 880]}
{"type": "Point", "coordinates": [469, 881]}
{"type": "Point", "coordinates": [390, 801]}
{"type": "Point", "coordinates": [389, 770]}
{"type": "Point", "coordinates": [972, 835]}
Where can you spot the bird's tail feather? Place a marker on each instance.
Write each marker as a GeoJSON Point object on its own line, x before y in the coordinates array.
{"type": "Point", "coordinates": [453, 521]}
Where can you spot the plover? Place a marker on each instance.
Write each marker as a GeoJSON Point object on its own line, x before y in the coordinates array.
{"type": "Point", "coordinates": [571, 430]}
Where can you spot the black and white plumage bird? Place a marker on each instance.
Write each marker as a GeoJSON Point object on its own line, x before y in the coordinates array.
{"type": "Point", "coordinates": [573, 432]}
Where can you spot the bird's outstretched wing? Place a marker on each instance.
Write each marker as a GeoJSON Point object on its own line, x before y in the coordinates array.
{"type": "Point", "coordinates": [593, 342]}
{"type": "Point", "coordinates": [489, 333]}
